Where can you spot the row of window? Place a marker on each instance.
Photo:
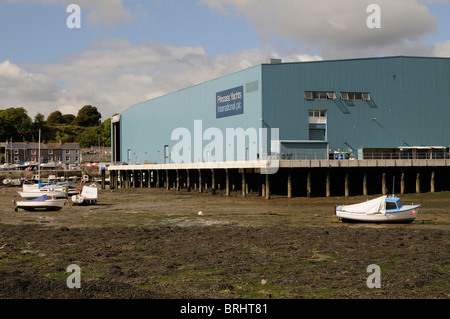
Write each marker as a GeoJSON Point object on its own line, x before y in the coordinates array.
{"type": "Point", "coordinates": [58, 159]}
{"type": "Point", "coordinates": [67, 152]}
{"type": "Point", "coordinates": [324, 95]}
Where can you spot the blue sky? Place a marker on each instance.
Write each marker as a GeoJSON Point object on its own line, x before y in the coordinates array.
{"type": "Point", "coordinates": [131, 50]}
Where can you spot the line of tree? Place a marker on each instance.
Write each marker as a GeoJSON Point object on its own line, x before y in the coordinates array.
{"type": "Point", "coordinates": [86, 128]}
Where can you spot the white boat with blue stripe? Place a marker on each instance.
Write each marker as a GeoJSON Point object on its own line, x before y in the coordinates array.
{"type": "Point", "coordinates": [383, 209]}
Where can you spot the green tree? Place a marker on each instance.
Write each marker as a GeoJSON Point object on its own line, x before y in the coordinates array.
{"type": "Point", "coordinates": [88, 116]}
{"type": "Point", "coordinates": [38, 124]}
{"type": "Point", "coordinates": [55, 117]}
{"type": "Point", "coordinates": [106, 132]}
{"type": "Point", "coordinates": [16, 124]}
{"type": "Point", "coordinates": [68, 118]}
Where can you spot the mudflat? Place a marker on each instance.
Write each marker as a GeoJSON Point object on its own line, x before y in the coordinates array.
{"type": "Point", "coordinates": [153, 243]}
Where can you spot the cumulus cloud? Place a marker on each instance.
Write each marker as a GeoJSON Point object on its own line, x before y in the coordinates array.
{"type": "Point", "coordinates": [116, 74]}
{"type": "Point", "coordinates": [336, 29]}
{"type": "Point", "coordinates": [19, 87]}
{"type": "Point", "coordinates": [442, 49]}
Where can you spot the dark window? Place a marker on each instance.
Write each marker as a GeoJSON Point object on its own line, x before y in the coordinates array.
{"type": "Point", "coordinates": [390, 205]}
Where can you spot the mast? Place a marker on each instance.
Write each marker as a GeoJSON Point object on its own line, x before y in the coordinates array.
{"type": "Point", "coordinates": [39, 156]}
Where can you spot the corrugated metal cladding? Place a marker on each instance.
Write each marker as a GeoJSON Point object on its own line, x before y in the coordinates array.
{"type": "Point", "coordinates": [409, 105]}
{"type": "Point", "coordinates": [147, 127]}
{"type": "Point", "coordinates": [410, 101]}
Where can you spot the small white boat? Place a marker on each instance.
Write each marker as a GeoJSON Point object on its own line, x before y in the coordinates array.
{"type": "Point", "coordinates": [383, 209]}
{"type": "Point", "coordinates": [44, 202]}
{"type": "Point", "coordinates": [30, 191]}
{"type": "Point", "coordinates": [88, 196]}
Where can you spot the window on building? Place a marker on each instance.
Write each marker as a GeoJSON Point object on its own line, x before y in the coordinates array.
{"type": "Point", "coordinates": [50, 151]}
{"type": "Point", "coordinates": [317, 116]}
{"type": "Point", "coordinates": [67, 151]}
{"type": "Point", "coordinates": [319, 95]}
{"type": "Point", "coordinates": [358, 96]}
{"type": "Point", "coordinates": [67, 158]}
{"type": "Point", "coordinates": [16, 159]}
{"type": "Point", "coordinates": [16, 151]}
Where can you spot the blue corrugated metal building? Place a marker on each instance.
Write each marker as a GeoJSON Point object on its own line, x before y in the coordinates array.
{"type": "Point", "coordinates": [318, 108]}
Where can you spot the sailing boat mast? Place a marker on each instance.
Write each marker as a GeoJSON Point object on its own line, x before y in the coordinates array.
{"type": "Point", "coordinates": [39, 156]}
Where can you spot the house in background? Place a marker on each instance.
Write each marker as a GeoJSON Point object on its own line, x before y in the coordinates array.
{"type": "Point", "coordinates": [64, 155]}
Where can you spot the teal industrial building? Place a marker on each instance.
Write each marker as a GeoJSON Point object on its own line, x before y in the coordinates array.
{"type": "Point", "coordinates": [299, 115]}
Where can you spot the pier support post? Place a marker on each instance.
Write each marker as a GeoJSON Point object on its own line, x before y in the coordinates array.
{"type": "Point", "coordinates": [141, 179]}
{"type": "Point", "coordinates": [128, 178]}
{"type": "Point", "coordinates": [167, 180]}
{"type": "Point", "coordinates": [178, 180]}
{"type": "Point", "coordinates": [347, 189]}
{"type": "Point", "coordinates": [383, 184]}
{"type": "Point", "coordinates": [402, 183]}
{"type": "Point", "coordinates": [111, 179]}
{"type": "Point", "coordinates": [365, 184]}
{"type": "Point", "coordinates": [418, 182]}
{"type": "Point", "coordinates": [432, 188]}
{"type": "Point", "coordinates": [244, 192]}
{"type": "Point", "coordinates": [188, 181]}
{"type": "Point", "coordinates": [328, 184]}
{"type": "Point", "coordinates": [308, 185]}
{"type": "Point", "coordinates": [263, 186]}
{"type": "Point", "coordinates": [267, 186]}
{"type": "Point", "coordinates": [213, 182]}
{"type": "Point", "coordinates": [157, 179]}
{"type": "Point", "coordinates": [227, 182]}
{"type": "Point", "coordinates": [103, 178]}
{"type": "Point", "coordinates": [289, 184]}
{"type": "Point", "coordinates": [200, 183]}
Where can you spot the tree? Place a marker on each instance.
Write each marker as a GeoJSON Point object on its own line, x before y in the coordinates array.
{"type": "Point", "coordinates": [68, 118]}
{"type": "Point", "coordinates": [38, 124]}
{"type": "Point", "coordinates": [106, 132]}
{"type": "Point", "coordinates": [55, 117]}
{"type": "Point", "coordinates": [88, 116]}
{"type": "Point", "coordinates": [16, 124]}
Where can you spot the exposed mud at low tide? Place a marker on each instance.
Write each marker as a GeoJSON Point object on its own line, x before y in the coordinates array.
{"type": "Point", "coordinates": [145, 243]}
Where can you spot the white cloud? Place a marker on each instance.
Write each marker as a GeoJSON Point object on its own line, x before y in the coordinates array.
{"type": "Point", "coordinates": [19, 87]}
{"type": "Point", "coordinates": [442, 49]}
{"type": "Point", "coordinates": [116, 74]}
{"type": "Point", "coordinates": [336, 29]}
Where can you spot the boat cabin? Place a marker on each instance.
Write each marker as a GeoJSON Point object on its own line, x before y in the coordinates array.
{"type": "Point", "coordinates": [393, 203]}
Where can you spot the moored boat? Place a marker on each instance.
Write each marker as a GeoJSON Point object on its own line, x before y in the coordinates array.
{"type": "Point", "coordinates": [30, 191]}
{"type": "Point", "coordinates": [44, 202]}
{"type": "Point", "coordinates": [88, 196]}
{"type": "Point", "coordinates": [383, 209]}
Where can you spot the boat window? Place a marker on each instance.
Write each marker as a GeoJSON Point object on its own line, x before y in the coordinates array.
{"type": "Point", "coordinates": [399, 203]}
{"type": "Point", "coordinates": [391, 205]}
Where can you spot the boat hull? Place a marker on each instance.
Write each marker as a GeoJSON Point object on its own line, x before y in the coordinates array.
{"type": "Point", "coordinates": [88, 196]}
{"type": "Point", "coordinates": [407, 214]}
{"type": "Point", "coordinates": [47, 205]}
{"type": "Point", "coordinates": [80, 200]}
{"type": "Point", "coordinates": [36, 194]}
